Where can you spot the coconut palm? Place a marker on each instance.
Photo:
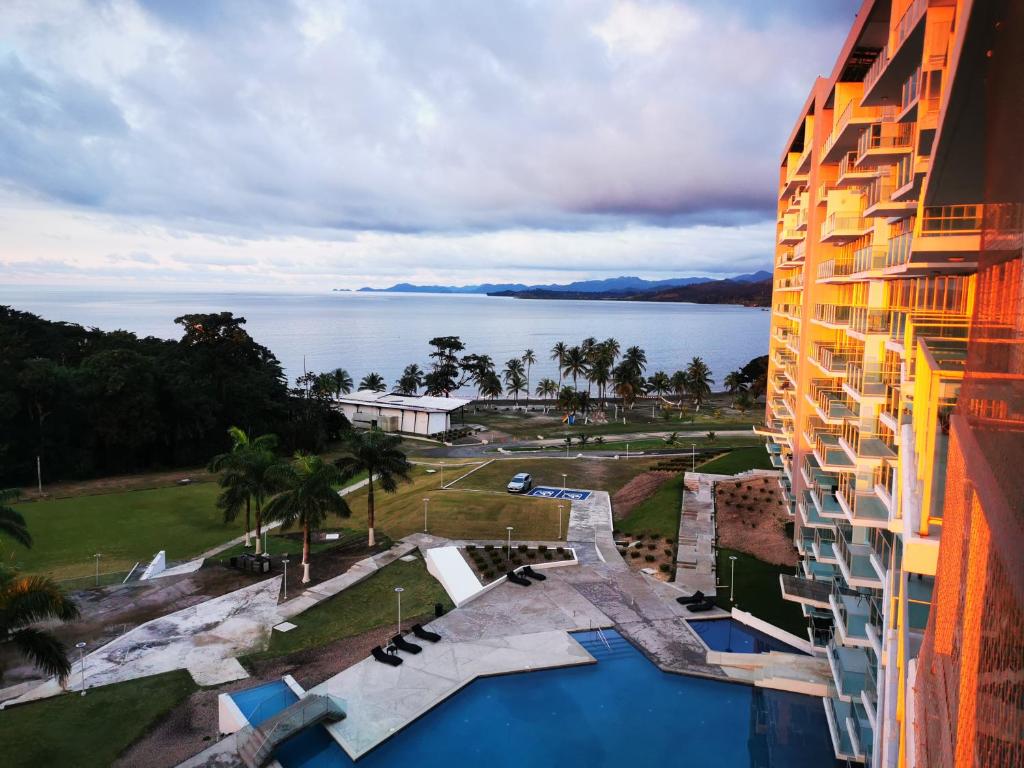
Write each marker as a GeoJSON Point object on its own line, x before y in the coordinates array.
{"type": "Point", "coordinates": [342, 382]}
{"type": "Point", "coordinates": [244, 478]}
{"type": "Point", "coordinates": [699, 376]}
{"type": "Point", "coordinates": [373, 382]}
{"type": "Point", "coordinates": [680, 383]}
{"type": "Point", "coordinates": [574, 364]}
{"type": "Point", "coordinates": [568, 400]}
{"type": "Point", "coordinates": [611, 348]}
{"type": "Point", "coordinates": [660, 383]}
{"type": "Point", "coordinates": [558, 355]}
{"type": "Point", "coordinates": [529, 357]}
{"type": "Point", "coordinates": [515, 383]}
{"type": "Point", "coordinates": [308, 497]}
{"type": "Point", "coordinates": [600, 373]}
{"type": "Point", "coordinates": [12, 524]}
{"type": "Point", "coordinates": [546, 388]}
{"type": "Point", "coordinates": [26, 601]}
{"type": "Point", "coordinates": [735, 383]}
{"type": "Point", "coordinates": [410, 381]}
{"type": "Point", "coordinates": [375, 453]}
{"type": "Point", "coordinates": [490, 385]}
{"type": "Point", "coordinates": [635, 359]}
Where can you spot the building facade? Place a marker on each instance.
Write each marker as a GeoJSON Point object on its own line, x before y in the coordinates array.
{"type": "Point", "coordinates": [896, 381]}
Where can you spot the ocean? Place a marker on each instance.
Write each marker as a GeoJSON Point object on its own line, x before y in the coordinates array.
{"type": "Point", "coordinates": [384, 332]}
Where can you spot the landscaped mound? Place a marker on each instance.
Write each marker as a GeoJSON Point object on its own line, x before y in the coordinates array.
{"type": "Point", "coordinates": [490, 562]}
{"type": "Point", "coordinates": [636, 491]}
{"type": "Point", "coordinates": [751, 517]}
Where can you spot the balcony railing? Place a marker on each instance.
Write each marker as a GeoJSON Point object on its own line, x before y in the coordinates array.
{"type": "Point", "coordinates": [855, 559]}
{"type": "Point", "coordinates": [843, 226]}
{"type": "Point", "coordinates": [833, 358]}
{"type": "Point", "coordinates": [832, 314]}
{"type": "Point", "coordinates": [870, 258]}
{"type": "Point", "coordinates": [876, 69]}
{"type": "Point", "coordinates": [849, 669]}
{"type": "Point", "coordinates": [899, 249]}
{"type": "Point", "coordinates": [951, 220]}
{"type": "Point", "coordinates": [911, 90]}
{"type": "Point", "coordinates": [868, 440]}
{"type": "Point", "coordinates": [874, 140]}
{"type": "Point", "coordinates": [840, 266]}
{"type": "Point", "coordinates": [909, 20]}
{"type": "Point", "coordinates": [860, 501]}
{"type": "Point", "coordinates": [864, 320]}
{"type": "Point", "coordinates": [848, 169]}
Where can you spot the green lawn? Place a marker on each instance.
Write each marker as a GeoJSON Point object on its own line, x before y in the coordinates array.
{"type": "Point", "coordinates": [757, 591]}
{"type": "Point", "coordinates": [125, 528]}
{"type": "Point", "coordinates": [369, 604]}
{"type": "Point", "coordinates": [738, 460]}
{"type": "Point", "coordinates": [658, 514]}
{"type": "Point", "coordinates": [593, 473]}
{"type": "Point", "coordinates": [91, 730]}
{"type": "Point", "coordinates": [529, 426]}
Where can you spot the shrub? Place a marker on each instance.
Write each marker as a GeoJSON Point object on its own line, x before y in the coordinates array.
{"type": "Point", "coordinates": [649, 558]}
{"type": "Point", "coordinates": [489, 547]}
{"type": "Point", "coordinates": [471, 547]}
{"type": "Point", "coordinates": [652, 546]}
{"type": "Point", "coordinates": [532, 554]}
{"type": "Point", "coordinates": [522, 547]}
{"type": "Point", "coordinates": [670, 541]}
{"type": "Point", "coordinates": [634, 554]}
{"type": "Point", "coordinates": [487, 574]}
{"type": "Point", "coordinates": [516, 561]}
{"type": "Point", "coordinates": [664, 568]}
{"type": "Point", "coordinates": [504, 548]}
{"type": "Point", "coordinates": [655, 536]}
{"type": "Point", "coordinates": [542, 548]}
{"type": "Point", "coordinates": [638, 536]}
{"type": "Point", "coordinates": [560, 550]}
{"type": "Point", "coordinates": [548, 555]}
{"type": "Point", "coordinates": [668, 553]}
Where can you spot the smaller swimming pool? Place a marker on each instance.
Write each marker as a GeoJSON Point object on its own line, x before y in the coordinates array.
{"type": "Point", "coordinates": [264, 701]}
{"type": "Point", "coordinates": [731, 636]}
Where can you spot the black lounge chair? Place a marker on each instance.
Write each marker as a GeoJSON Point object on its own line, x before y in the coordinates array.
{"type": "Point", "coordinates": [528, 571]}
{"type": "Point", "coordinates": [425, 634]}
{"type": "Point", "coordinates": [696, 597]}
{"type": "Point", "coordinates": [404, 645]}
{"type": "Point", "coordinates": [515, 578]}
{"type": "Point", "coordinates": [707, 605]}
{"type": "Point", "coordinates": [385, 658]}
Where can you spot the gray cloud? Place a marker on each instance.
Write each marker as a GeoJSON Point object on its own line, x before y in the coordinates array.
{"type": "Point", "coordinates": [257, 120]}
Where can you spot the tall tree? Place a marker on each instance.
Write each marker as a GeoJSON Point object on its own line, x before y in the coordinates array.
{"type": "Point", "coordinates": [308, 497]}
{"type": "Point", "coordinates": [574, 364]}
{"type": "Point", "coordinates": [529, 357]}
{"type": "Point", "coordinates": [546, 388]}
{"type": "Point", "coordinates": [373, 382]}
{"type": "Point", "coordinates": [342, 382]}
{"type": "Point", "coordinates": [514, 377]}
{"type": "Point", "coordinates": [558, 355]}
{"type": "Point", "coordinates": [12, 523]}
{"type": "Point", "coordinates": [444, 377]}
{"type": "Point", "coordinates": [659, 383]}
{"type": "Point", "coordinates": [377, 454]}
{"type": "Point", "coordinates": [246, 478]}
{"type": "Point", "coordinates": [699, 376]}
{"type": "Point", "coordinates": [410, 381]}
{"type": "Point", "coordinates": [490, 385]}
{"type": "Point", "coordinates": [734, 382]}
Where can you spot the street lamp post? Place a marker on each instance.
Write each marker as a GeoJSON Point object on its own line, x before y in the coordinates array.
{"type": "Point", "coordinates": [399, 591]}
{"type": "Point", "coordinates": [426, 506]}
{"type": "Point", "coordinates": [563, 480]}
{"type": "Point", "coordinates": [98, 556]}
{"type": "Point", "coordinates": [693, 456]}
{"type": "Point", "coordinates": [508, 554]}
{"type": "Point", "coordinates": [732, 578]}
{"type": "Point", "coordinates": [559, 537]}
{"type": "Point", "coordinates": [627, 450]}
{"type": "Point", "coordinates": [284, 562]}
{"type": "Point", "coordinates": [81, 658]}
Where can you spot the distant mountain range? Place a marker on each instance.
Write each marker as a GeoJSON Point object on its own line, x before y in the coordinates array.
{"type": "Point", "coordinates": [628, 284]}
{"type": "Point", "coordinates": [751, 293]}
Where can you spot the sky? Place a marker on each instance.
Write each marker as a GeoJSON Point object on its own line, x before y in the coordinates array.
{"type": "Point", "coordinates": [314, 144]}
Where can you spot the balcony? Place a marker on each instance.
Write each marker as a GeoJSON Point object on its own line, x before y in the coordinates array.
{"type": "Point", "coordinates": [822, 544]}
{"type": "Point", "coordinates": [829, 401]}
{"type": "Point", "coordinates": [832, 315]}
{"type": "Point", "coordinates": [842, 727]}
{"type": "Point", "coordinates": [869, 259]}
{"type": "Point", "coordinates": [883, 81]}
{"type": "Point", "coordinates": [839, 228]}
{"type": "Point", "coordinates": [805, 591]}
{"type": "Point", "coordinates": [881, 201]}
{"type": "Point", "coordinates": [861, 503]}
{"type": "Point", "coordinates": [861, 383]}
{"type": "Point", "coordinates": [830, 453]}
{"type": "Point", "coordinates": [791, 236]}
{"type": "Point", "coordinates": [833, 358]}
{"type": "Point", "coordinates": [865, 321]}
{"type": "Point", "coordinates": [946, 238]}
{"type": "Point", "coordinates": [852, 176]}
{"type": "Point", "coordinates": [866, 441]}
{"type": "Point", "coordinates": [835, 270]}
{"type": "Point", "coordinates": [852, 616]}
{"type": "Point", "coordinates": [853, 119]}
{"type": "Point", "coordinates": [854, 562]}
{"type": "Point", "coordinates": [849, 670]}
{"type": "Point", "coordinates": [884, 144]}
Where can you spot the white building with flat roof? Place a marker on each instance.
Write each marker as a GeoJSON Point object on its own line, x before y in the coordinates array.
{"type": "Point", "coordinates": [412, 414]}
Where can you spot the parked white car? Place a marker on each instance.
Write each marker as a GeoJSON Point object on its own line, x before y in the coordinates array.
{"type": "Point", "coordinates": [521, 483]}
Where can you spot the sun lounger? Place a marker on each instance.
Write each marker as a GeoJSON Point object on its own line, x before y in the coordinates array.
{"type": "Point", "coordinates": [696, 597]}
{"type": "Point", "coordinates": [425, 634]}
{"type": "Point", "coordinates": [385, 658]}
{"type": "Point", "coordinates": [707, 605]}
{"type": "Point", "coordinates": [517, 579]}
{"type": "Point", "coordinates": [528, 571]}
{"type": "Point", "coordinates": [404, 645]}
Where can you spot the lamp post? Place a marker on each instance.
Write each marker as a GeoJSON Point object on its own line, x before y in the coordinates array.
{"type": "Point", "coordinates": [563, 480]}
{"type": "Point", "coordinates": [284, 562]}
{"type": "Point", "coordinates": [98, 555]}
{"type": "Point", "coordinates": [693, 456]}
{"type": "Point", "coordinates": [265, 550]}
{"type": "Point", "coordinates": [81, 658]}
{"type": "Point", "coordinates": [508, 554]}
{"type": "Point", "coordinates": [627, 450]}
{"type": "Point", "coordinates": [732, 577]}
{"type": "Point", "coordinates": [559, 536]}
{"type": "Point", "coordinates": [426, 506]}
{"type": "Point", "coordinates": [399, 591]}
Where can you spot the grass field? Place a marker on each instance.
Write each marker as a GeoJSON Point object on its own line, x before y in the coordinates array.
{"type": "Point", "coordinates": [594, 474]}
{"type": "Point", "coordinates": [739, 460]}
{"type": "Point", "coordinates": [125, 528]}
{"type": "Point", "coordinates": [757, 591]}
{"type": "Point", "coordinates": [91, 730]}
{"type": "Point", "coordinates": [659, 513]}
{"type": "Point", "coordinates": [371, 603]}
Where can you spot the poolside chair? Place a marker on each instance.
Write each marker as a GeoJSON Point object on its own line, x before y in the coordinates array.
{"type": "Point", "coordinates": [696, 597]}
{"type": "Point", "coordinates": [528, 571]}
{"type": "Point", "coordinates": [515, 578]}
{"type": "Point", "coordinates": [385, 658]}
{"type": "Point", "coordinates": [404, 645]}
{"type": "Point", "coordinates": [707, 605]}
{"type": "Point", "coordinates": [425, 634]}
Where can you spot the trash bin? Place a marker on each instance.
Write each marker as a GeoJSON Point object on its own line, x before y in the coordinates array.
{"type": "Point", "coordinates": [439, 609]}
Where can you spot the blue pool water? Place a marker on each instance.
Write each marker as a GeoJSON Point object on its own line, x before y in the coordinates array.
{"type": "Point", "coordinates": [732, 636]}
{"type": "Point", "coordinates": [264, 701]}
{"type": "Point", "coordinates": [621, 711]}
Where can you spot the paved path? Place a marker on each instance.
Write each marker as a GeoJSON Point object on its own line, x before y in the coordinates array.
{"type": "Point", "coordinates": [695, 553]}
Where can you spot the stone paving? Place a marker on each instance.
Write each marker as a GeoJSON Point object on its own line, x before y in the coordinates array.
{"type": "Point", "coordinates": [695, 553]}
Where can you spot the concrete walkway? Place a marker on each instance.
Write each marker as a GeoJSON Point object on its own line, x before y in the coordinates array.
{"type": "Point", "coordinates": [695, 553]}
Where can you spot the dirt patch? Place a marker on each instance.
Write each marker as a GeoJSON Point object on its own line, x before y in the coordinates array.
{"type": "Point", "coordinates": [192, 726]}
{"type": "Point", "coordinates": [751, 517]}
{"type": "Point", "coordinates": [491, 564]}
{"type": "Point", "coordinates": [637, 491]}
{"type": "Point", "coordinates": [648, 551]}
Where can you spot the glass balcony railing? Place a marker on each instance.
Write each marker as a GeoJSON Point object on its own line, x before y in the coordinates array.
{"type": "Point", "coordinates": [834, 358]}
{"type": "Point", "coordinates": [852, 613]}
{"type": "Point", "coordinates": [884, 140]}
{"type": "Point", "coordinates": [855, 560]}
{"type": "Point", "coordinates": [832, 314]}
{"type": "Point", "coordinates": [843, 226]}
{"type": "Point", "coordinates": [870, 258]}
{"type": "Point", "coordinates": [829, 452]}
{"type": "Point", "coordinates": [859, 499]}
{"type": "Point", "coordinates": [865, 320]}
{"type": "Point", "coordinates": [837, 267]}
{"type": "Point", "coordinates": [849, 669]}
{"type": "Point", "coordinates": [951, 220]}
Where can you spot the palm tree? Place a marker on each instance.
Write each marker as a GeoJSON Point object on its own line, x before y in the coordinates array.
{"type": "Point", "coordinates": [516, 383]}
{"type": "Point", "coordinates": [568, 400]}
{"type": "Point", "coordinates": [699, 376]}
{"type": "Point", "coordinates": [735, 383]}
{"type": "Point", "coordinates": [529, 357]}
{"type": "Point", "coordinates": [244, 477]}
{"type": "Point", "coordinates": [660, 383]}
{"type": "Point", "coordinates": [375, 453]}
{"type": "Point", "coordinates": [309, 497]}
{"type": "Point", "coordinates": [373, 382]}
{"type": "Point", "coordinates": [490, 385]}
{"type": "Point", "coordinates": [342, 382]}
{"type": "Point", "coordinates": [636, 360]}
{"type": "Point", "coordinates": [680, 382]}
{"type": "Point", "coordinates": [410, 381]}
{"type": "Point", "coordinates": [558, 355]}
{"type": "Point", "coordinates": [26, 601]}
{"type": "Point", "coordinates": [612, 348]}
{"type": "Point", "coordinates": [12, 524]}
{"type": "Point", "coordinates": [744, 402]}
{"type": "Point", "coordinates": [574, 364]}
{"type": "Point", "coordinates": [546, 388]}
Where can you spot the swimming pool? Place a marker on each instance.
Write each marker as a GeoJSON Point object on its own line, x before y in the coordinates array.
{"type": "Point", "coordinates": [622, 710]}
{"type": "Point", "coordinates": [734, 637]}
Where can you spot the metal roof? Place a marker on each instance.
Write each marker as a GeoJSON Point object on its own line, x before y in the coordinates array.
{"type": "Point", "coordinates": [404, 402]}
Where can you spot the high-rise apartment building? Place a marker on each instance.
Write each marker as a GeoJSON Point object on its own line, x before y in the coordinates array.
{"type": "Point", "coordinates": [895, 403]}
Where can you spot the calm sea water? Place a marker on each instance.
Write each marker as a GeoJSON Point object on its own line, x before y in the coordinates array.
{"type": "Point", "coordinates": [365, 332]}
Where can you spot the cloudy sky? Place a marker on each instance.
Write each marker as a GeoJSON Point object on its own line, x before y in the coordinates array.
{"type": "Point", "coordinates": [298, 144]}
